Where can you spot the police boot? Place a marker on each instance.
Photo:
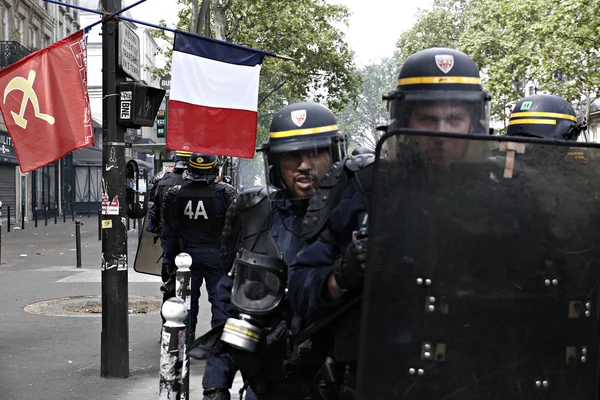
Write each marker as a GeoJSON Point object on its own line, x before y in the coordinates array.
{"type": "Point", "coordinates": [216, 394]}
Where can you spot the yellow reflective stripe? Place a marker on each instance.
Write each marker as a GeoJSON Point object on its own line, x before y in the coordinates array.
{"type": "Point", "coordinates": [307, 131]}
{"type": "Point", "coordinates": [202, 166]}
{"type": "Point", "coordinates": [243, 331]}
{"type": "Point", "coordinates": [532, 121]}
{"type": "Point", "coordinates": [543, 114]}
{"type": "Point", "coordinates": [439, 79]}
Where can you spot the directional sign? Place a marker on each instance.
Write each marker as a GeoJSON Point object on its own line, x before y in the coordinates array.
{"type": "Point", "coordinates": [129, 52]}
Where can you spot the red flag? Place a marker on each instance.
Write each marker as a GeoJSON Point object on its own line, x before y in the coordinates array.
{"type": "Point", "coordinates": [45, 104]}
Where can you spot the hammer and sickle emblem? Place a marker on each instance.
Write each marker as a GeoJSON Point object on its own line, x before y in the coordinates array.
{"type": "Point", "coordinates": [29, 95]}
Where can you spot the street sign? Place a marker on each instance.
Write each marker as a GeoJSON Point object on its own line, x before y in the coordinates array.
{"type": "Point", "coordinates": [161, 123]}
{"type": "Point", "coordinates": [129, 52]}
{"type": "Point", "coordinates": [165, 82]}
{"type": "Point", "coordinates": [138, 104]}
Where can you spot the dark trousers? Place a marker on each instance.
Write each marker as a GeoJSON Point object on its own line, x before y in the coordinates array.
{"type": "Point", "coordinates": [205, 267]}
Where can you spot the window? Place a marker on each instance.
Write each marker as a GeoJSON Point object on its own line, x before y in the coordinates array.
{"type": "Point", "coordinates": [19, 32]}
{"type": "Point", "coordinates": [46, 41]}
{"type": "Point", "coordinates": [5, 18]}
{"type": "Point", "coordinates": [61, 30]}
{"type": "Point", "coordinates": [33, 37]}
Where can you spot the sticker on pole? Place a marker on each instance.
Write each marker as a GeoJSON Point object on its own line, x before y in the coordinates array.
{"type": "Point", "coordinates": [106, 224]}
{"type": "Point", "coordinates": [110, 208]}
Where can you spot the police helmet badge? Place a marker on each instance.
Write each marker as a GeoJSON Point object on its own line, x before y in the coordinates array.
{"type": "Point", "coordinates": [298, 117]}
{"type": "Point", "coordinates": [199, 160]}
{"type": "Point", "coordinates": [445, 62]}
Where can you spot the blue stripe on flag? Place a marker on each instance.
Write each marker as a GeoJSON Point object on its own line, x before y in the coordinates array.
{"type": "Point", "coordinates": [218, 51]}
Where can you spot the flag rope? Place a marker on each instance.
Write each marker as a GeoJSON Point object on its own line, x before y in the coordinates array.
{"type": "Point", "coordinates": [117, 16]}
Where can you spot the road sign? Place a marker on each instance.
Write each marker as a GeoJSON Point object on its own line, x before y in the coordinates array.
{"type": "Point", "coordinates": [129, 52]}
{"type": "Point", "coordinates": [165, 82]}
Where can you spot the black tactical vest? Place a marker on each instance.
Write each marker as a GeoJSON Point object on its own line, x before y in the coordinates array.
{"type": "Point", "coordinates": [196, 211]}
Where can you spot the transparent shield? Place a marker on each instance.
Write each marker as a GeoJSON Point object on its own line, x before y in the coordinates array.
{"type": "Point", "coordinates": [483, 270]}
{"type": "Point", "coordinates": [251, 172]}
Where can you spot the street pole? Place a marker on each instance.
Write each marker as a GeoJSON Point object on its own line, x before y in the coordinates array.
{"type": "Point", "coordinates": [114, 358]}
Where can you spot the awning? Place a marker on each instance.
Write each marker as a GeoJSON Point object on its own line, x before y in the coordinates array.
{"type": "Point", "coordinates": [88, 156]}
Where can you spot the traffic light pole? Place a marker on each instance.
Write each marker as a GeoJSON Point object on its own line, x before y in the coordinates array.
{"type": "Point", "coordinates": [114, 351]}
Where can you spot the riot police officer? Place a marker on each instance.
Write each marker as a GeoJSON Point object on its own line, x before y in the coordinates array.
{"type": "Point", "coordinates": [261, 237]}
{"type": "Point", "coordinates": [161, 186]}
{"type": "Point", "coordinates": [438, 90]}
{"type": "Point", "coordinates": [195, 212]}
{"type": "Point", "coordinates": [545, 116]}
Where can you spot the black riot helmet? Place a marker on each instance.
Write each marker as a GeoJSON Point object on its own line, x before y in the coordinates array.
{"type": "Point", "coordinates": [299, 127]}
{"type": "Point", "coordinates": [439, 89]}
{"type": "Point", "coordinates": [203, 164]}
{"type": "Point", "coordinates": [181, 159]}
{"type": "Point", "coordinates": [545, 116]}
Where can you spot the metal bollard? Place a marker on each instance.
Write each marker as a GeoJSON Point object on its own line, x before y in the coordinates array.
{"type": "Point", "coordinates": [183, 290]}
{"type": "Point", "coordinates": [172, 348]}
{"type": "Point", "coordinates": [72, 213]}
{"type": "Point", "coordinates": [78, 242]}
{"type": "Point", "coordinates": [128, 224]}
{"type": "Point", "coordinates": [64, 210]}
{"type": "Point", "coordinates": [8, 218]}
{"type": "Point", "coordinates": [35, 216]}
{"type": "Point", "coordinates": [55, 212]}
{"type": "Point", "coordinates": [100, 224]}
{"type": "Point", "coordinates": [22, 216]}
{"type": "Point", "coordinates": [46, 216]}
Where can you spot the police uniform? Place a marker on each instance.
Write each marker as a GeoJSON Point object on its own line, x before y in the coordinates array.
{"type": "Point", "coordinates": [337, 222]}
{"type": "Point", "coordinates": [265, 223]}
{"type": "Point", "coordinates": [193, 219]}
{"type": "Point", "coordinates": [166, 182]}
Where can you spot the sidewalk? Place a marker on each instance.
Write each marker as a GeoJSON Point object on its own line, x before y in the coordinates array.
{"type": "Point", "coordinates": [58, 357]}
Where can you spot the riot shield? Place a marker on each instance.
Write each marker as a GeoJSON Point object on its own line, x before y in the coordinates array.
{"type": "Point", "coordinates": [483, 271]}
{"type": "Point", "coordinates": [148, 258]}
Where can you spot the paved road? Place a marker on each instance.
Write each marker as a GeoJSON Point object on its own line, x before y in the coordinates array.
{"type": "Point", "coordinates": [58, 357]}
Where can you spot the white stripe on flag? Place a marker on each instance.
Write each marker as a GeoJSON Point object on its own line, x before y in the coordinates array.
{"type": "Point", "coordinates": [205, 82]}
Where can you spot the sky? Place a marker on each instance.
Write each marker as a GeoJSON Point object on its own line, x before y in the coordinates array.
{"type": "Point", "coordinates": [374, 26]}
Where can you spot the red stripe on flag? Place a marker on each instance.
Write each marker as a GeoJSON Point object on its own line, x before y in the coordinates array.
{"type": "Point", "coordinates": [210, 130]}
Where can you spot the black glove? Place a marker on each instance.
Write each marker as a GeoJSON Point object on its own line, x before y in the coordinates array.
{"type": "Point", "coordinates": [349, 269]}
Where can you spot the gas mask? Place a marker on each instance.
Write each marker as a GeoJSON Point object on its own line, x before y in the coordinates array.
{"type": "Point", "coordinates": [258, 287]}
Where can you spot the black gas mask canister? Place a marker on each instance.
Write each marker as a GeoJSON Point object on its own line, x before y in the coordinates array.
{"type": "Point", "coordinates": [258, 287]}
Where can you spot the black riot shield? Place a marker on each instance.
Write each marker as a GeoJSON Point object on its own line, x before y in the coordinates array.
{"type": "Point", "coordinates": [483, 271]}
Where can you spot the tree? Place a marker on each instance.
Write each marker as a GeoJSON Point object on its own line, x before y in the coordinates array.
{"type": "Point", "coordinates": [548, 42]}
{"type": "Point", "coordinates": [305, 30]}
{"type": "Point", "coordinates": [440, 26]}
{"type": "Point", "coordinates": [569, 63]}
{"type": "Point", "coordinates": [361, 117]}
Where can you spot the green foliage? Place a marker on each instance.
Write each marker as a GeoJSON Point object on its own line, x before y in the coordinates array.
{"type": "Point", "coordinates": [515, 42]}
{"type": "Point", "coordinates": [361, 117]}
{"type": "Point", "coordinates": [302, 29]}
{"type": "Point", "coordinates": [441, 26]}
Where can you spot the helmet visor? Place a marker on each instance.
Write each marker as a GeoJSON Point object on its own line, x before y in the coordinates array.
{"type": "Point", "coordinates": [452, 111]}
{"type": "Point", "coordinates": [299, 171]}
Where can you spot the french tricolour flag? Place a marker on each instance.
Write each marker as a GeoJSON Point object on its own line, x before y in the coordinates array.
{"type": "Point", "coordinates": [214, 97]}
